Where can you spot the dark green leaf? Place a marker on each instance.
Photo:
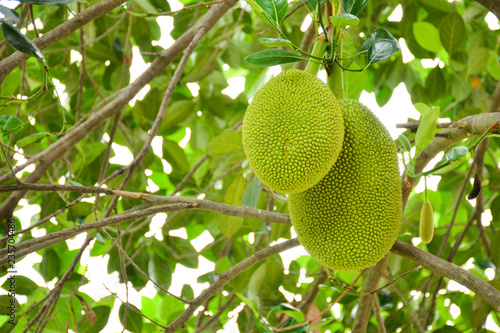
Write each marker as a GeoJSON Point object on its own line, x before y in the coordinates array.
{"type": "Point", "coordinates": [10, 15]}
{"type": "Point", "coordinates": [273, 57]}
{"type": "Point", "coordinates": [133, 321]}
{"type": "Point", "coordinates": [178, 112]}
{"type": "Point", "coordinates": [435, 84]}
{"type": "Point", "coordinates": [452, 32]}
{"type": "Point", "coordinates": [275, 9]}
{"type": "Point", "coordinates": [175, 155]}
{"type": "Point", "coordinates": [101, 320]}
{"type": "Point", "coordinates": [438, 5]}
{"type": "Point", "coordinates": [314, 3]}
{"type": "Point", "coordinates": [20, 285]}
{"type": "Point", "coordinates": [353, 7]}
{"type": "Point", "coordinates": [379, 45]}
{"type": "Point", "coordinates": [20, 42]}
{"type": "Point", "coordinates": [426, 130]}
{"type": "Point", "coordinates": [343, 20]}
{"type": "Point", "coordinates": [252, 193]}
{"type": "Point", "coordinates": [427, 36]}
{"type": "Point", "coordinates": [48, 2]}
{"type": "Point", "coordinates": [10, 124]}
{"type": "Point", "coordinates": [50, 265]}
{"type": "Point", "coordinates": [8, 305]}
{"type": "Point", "coordinates": [456, 153]}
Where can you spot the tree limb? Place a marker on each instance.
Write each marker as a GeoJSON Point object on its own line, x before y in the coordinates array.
{"type": "Point", "coordinates": [90, 14]}
{"type": "Point", "coordinates": [449, 270]}
{"type": "Point", "coordinates": [492, 5]}
{"type": "Point", "coordinates": [227, 276]}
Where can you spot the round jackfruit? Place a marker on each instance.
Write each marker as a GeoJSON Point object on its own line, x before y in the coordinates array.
{"type": "Point", "coordinates": [292, 131]}
{"type": "Point", "coordinates": [351, 218]}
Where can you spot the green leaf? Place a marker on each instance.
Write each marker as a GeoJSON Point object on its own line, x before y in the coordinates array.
{"type": "Point", "coordinates": [10, 15]}
{"type": "Point", "coordinates": [454, 165]}
{"type": "Point", "coordinates": [273, 57]}
{"type": "Point", "coordinates": [478, 60]}
{"type": "Point", "coordinates": [252, 193]}
{"type": "Point", "coordinates": [289, 310]}
{"type": "Point", "coordinates": [224, 143]}
{"type": "Point", "coordinates": [379, 45]}
{"type": "Point", "coordinates": [347, 50]}
{"type": "Point", "coordinates": [439, 5]}
{"type": "Point", "coordinates": [322, 323]}
{"type": "Point", "coordinates": [22, 285]}
{"type": "Point", "coordinates": [101, 320]}
{"type": "Point", "coordinates": [435, 84]}
{"type": "Point", "coordinates": [20, 42]}
{"type": "Point", "coordinates": [248, 303]}
{"type": "Point", "coordinates": [10, 124]}
{"type": "Point", "coordinates": [33, 138]}
{"type": "Point", "coordinates": [134, 319]}
{"type": "Point", "coordinates": [427, 36]}
{"type": "Point", "coordinates": [344, 19]}
{"type": "Point", "coordinates": [353, 7]}
{"type": "Point", "coordinates": [314, 3]}
{"type": "Point", "coordinates": [421, 108]}
{"type": "Point", "coordinates": [48, 2]}
{"type": "Point", "coordinates": [426, 130]}
{"type": "Point", "coordinates": [275, 9]}
{"type": "Point", "coordinates": [456, 153]}
{"type": "Point", "coordinates": [50, 265]}
{"type": "Point", "coordinates": [452, 32]}
{"type": "Point", "coordinates": [255, 282]}
{"type": "Point", "coordinates": [7, 303]}
{"type": "Point", "coordinates": [229, 225]}
{"type": "Point", "coordinates": [175, 155]}
{"type": "Point", "coordinates": [178, 112]}
{"type": "Point", "coordinates": [495, 247]}
{"type": "Point", "coordinates": [405, 143]}
{"type": "Point", "coordinates": [274, 42]}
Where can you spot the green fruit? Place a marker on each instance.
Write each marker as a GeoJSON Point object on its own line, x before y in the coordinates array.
{"type": "Point", "coordinates": [426, 223]}
{"type": "Point", "coordinates": [351, 218]}
{"type": "Point", "coordinates": [292, 131]}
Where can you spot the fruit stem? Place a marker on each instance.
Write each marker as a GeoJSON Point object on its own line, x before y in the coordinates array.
{"type": "Point", "coordinates": [318, 50]}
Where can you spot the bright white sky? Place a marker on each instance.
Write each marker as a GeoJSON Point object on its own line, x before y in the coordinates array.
{"type": "Point", "coordinates": [397, 110]}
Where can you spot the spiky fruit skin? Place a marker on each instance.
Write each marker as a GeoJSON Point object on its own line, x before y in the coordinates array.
{"type": "Point", "coordinates": [426, 223]}
{"type": "Point", "coordinates": [351, 218]}
{"type": "Point", "coordinates": [292, 131]}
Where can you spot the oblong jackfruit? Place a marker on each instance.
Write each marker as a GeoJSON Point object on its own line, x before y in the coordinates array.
{"type": "Point", "coordinates": [292, 131]}
{"type": "Point", "coordinates": [426, 223]}
{"type": "Point", "coordinates": [351, 218]}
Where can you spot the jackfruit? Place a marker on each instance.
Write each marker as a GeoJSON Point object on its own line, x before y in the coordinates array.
{"type": "Point", "coordinates": [426, 223]}
{"type": "Point", "coordinates": [351, 218]}
{"type": "Point", "coordinates": [292, 131]}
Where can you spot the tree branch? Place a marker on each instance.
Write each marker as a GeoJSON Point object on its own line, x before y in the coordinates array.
{"type": "Point", "coordinates": [56, 150]}
{"type": "Point", "coordinates": [449, 270]}
{"type": "Point", "coordinates": [492, 5]}
{"type": "Point", "coordinates": [90, 14]}
{"type": "Point", "coordinates": [227, 276]}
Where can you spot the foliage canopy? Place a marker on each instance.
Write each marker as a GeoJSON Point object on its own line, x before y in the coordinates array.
{"type": "Point", "coordinates": [61, 146]}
